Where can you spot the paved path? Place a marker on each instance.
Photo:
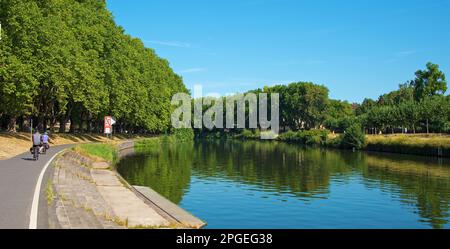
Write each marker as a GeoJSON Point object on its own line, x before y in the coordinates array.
{"type": "Point", "coordinates": [18, 178]}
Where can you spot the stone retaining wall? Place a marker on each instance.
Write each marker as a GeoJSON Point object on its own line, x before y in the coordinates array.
{"type": "Point", "coordinates": [88, 194]}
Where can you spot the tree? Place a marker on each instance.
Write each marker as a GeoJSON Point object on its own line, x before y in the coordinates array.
{"type": "Point", "coordinates": [339, 115]}
{"type": "Point", "coordinates": [434, 110]}
{"type": "Point", "coordinates": [67, 60]}
{"type": "Point", "coordinates": [354, 137]}
{"type": "Point", "coordinates": [20, 22]}
{"type": "Point", "coordinates": [409, 114]}
{"type": "Point", "coordinates": [404, 93]}
{"type": "Point", "coordinates": [305, 103]}
{"type": "Point", "coordinates": [365, 107]}
{"type": "Point", "coordinates": [429, 82]}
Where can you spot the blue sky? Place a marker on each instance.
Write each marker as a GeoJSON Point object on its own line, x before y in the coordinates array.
{"type": "Point", "coordinates": [357, 49]}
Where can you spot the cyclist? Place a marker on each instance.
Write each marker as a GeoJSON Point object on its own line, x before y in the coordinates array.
{"type": "Point", "coordinates": [45, 140]}
{"type": "Point", "coordinates": [36, 144]}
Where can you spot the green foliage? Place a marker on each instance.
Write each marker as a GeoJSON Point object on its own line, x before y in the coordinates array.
{"type": "Point", "coordinates": [339, 115]}
{"type": "Point", "coordinates": [183, 134]}
{"type": "Point", "coordinates": [365, 107]}
{"type": "Point", "coordinates": [248, 134]}
{"type": "Point", "coordinates": [429, 82]}
{"type": "Point", "coordinates": [418, 105]}
{"type": "Point", "coordinates": [306, 106]}
{"type": "Point", "coordinates": [64, 60]}
{"type": "Point", "coordinates": [303, 104]}
{"type": "Point", "coordinates": [353, 137]}
{"type": "Point", "coordinates": [306, 137]}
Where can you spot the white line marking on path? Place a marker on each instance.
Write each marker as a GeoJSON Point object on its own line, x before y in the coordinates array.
{"type": "Point", "coordinates": [37, 191]}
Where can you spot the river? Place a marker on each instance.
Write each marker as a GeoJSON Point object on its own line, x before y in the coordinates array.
{"type": "Point", "coordinates": [252, 184]}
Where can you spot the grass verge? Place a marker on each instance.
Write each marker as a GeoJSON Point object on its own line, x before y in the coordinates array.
{"type": "Point", "coordinates": [99, 152]}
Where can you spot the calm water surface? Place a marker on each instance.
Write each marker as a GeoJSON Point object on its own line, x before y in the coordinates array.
{"type": "Point", "coordinates": [234, 184]}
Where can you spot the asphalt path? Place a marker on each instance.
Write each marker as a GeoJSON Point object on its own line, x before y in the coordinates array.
{"type": "Point", "coordinates": [18, 179]}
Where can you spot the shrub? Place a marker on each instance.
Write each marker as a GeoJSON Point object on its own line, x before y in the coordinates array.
{"type": "Point", "coordinates": [183, 134]}
{"type": "Point", "coordinates": [353, 137]}
{"type": "Point", "coordinates": [288, 136]}
{"type": "Point", "coordinates": [311, 137]}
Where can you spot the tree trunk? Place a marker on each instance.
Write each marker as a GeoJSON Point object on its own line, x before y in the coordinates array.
{"type": "Point", "coordinates": [428, 130]}
{"type": "Point", "coordinates": [26, 124]}
{"type": "Point", "coordinates": [40, 122]}
{"type": "Point", "coordinates": [62, 125]}
{"type": "Point", "coordinates": [80, 124]}
{"type": "Point", "coordinates": [63, 121]}
{"type": "Point", "coordinates": [72, 126]}
{"type": "Point", "coordinates": [12, 124]}
{"type": "Point", "coordinates": [21, 122]}
{"type": "Point", "coordinates": [44, 123]}
{"type": "Point", "coordinates": [89, 125]}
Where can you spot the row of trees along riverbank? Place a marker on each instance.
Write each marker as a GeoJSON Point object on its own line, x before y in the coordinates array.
{"type": "Point", "coordinates": [67, 60]}
{"type": "Point", "coordinates": [308, 115]}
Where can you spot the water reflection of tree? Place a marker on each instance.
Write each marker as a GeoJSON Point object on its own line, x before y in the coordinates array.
{"type": "Point", "coordinates": [285, 168]}
{"type": "Point", "coordinates": [165, 167]}
{"type": "Point", "coordinates": [421, 182]}
{"type": "Point", "coordinates": [277, 167]}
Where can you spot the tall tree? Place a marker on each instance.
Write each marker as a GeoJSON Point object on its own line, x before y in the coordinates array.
{"type": "Point", "coordinates": [429, 82]}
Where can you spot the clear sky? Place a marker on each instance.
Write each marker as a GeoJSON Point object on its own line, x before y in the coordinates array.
{"type": "Point", "coordinates": [359, 48]}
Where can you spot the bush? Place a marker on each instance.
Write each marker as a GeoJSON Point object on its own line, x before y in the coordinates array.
{"type": "Point", "coordinates": [288, 136]}
{"type": "Point", "coordinates": [248, 134]}
{"type": "Point", "coordinates": [311, 137]}
{"type": "Point", "coordinates": [353, 137]}
{"type": "Point", "coordinates": [183, 134]}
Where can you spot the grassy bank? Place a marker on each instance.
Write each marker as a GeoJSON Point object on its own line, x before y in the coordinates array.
{"type": "Point", "coordinates": [13, 144]}
{"type": "Point", "coordinates": [435, 145]}
{"type": "Point", "coordinates": [107, 150]}
{"type": "Point", "coordinates": [425, 145]}
{"type": "Point", "coordinates": [98, 151]}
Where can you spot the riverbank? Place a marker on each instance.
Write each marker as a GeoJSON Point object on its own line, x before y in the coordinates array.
{"type": "Point", "coordinates": [434, 145]}
{"type": "Point", "coordinates": [85, 191]}
{"type": "Point", "coordinates": [13, 144]}
{"type": "Point", "coordinates": [332, 188]}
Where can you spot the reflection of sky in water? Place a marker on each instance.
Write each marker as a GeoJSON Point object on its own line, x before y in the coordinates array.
{"type": "Point", "coordinates": [227, 204]}
{"type": "Point", "coordinates": [270, 185]}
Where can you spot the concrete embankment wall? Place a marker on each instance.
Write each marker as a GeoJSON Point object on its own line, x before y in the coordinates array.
{"type": "Point", "coordinates": [161, 204]}
{"type": "Point", "coordinates": [88, 194]}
